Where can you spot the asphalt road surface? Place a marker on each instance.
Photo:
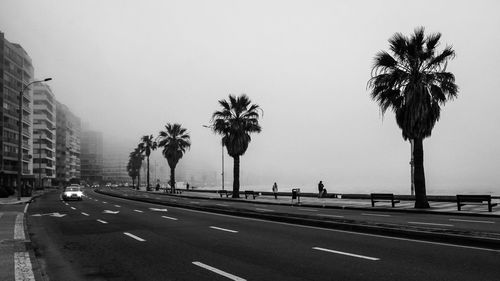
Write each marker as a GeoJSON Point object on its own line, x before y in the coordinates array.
{"type": "Point", "coordinates": [106, 238]}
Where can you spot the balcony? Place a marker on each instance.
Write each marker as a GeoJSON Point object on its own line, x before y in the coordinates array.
{"type": "Point", "coordinates": [11, 126]}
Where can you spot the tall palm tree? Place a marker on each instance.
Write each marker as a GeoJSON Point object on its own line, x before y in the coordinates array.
{"type": "Point", "coordinates": [146, 146]}
{"type": "Point", "coordinates": [413, 82]}
{"type": "Point", "coordinates": [175, 140]}
{"type": "Point", "coordinates": [134, 165]}
{"type": "Point", "coordinates": [237, 119]}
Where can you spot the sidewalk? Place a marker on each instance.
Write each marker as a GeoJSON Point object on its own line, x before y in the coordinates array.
{"type": "Point", "coordinates": [363, 204]}
{"type": "Point", "coordinates": [17, 259]}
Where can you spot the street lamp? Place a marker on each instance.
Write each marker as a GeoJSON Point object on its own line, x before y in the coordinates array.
{"type": "Point", "coordinates": [20, 136]}
{"type": "Point", "coordinates": [222, 174]}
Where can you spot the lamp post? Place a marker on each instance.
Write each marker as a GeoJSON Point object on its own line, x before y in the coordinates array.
{"type": "Point", "coordinates": [20, 136]}
{"type": "Point", "coordinates": [222, 174]}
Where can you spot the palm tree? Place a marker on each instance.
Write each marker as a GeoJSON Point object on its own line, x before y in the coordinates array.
{"type": "Point", "coordinates": [174, 140]}
{"type": "Point", "coordinates": [237, 119]}
{"type": "Point", "coordinates": [414, 84]}
{"type": "Point", "coordinates": [146, 146]}
{"type": "Point", "coordinates": [134, 165]}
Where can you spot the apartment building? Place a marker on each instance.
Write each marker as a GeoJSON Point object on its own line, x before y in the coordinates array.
{"type": "Point", "coordinates": [44, 135]}
{"type": "Point", "coordinates": [68, 134]}
{"type": "Point", "coordinates": [92, 157]}
{"type": "Point", "coordinates": [16, 71]}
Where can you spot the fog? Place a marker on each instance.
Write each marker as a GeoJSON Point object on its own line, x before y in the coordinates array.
{"type": "Point", "coordinates": [129, 67]}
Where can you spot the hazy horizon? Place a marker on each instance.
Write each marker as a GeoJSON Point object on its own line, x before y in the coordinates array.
{"type": "Point", "coordinates": [127, 68]}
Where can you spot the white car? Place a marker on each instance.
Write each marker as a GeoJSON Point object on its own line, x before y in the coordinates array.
{"type": "Point", "coordinates": [72, 192]}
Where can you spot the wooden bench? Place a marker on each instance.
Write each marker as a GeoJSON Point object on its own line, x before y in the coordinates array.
{"type": "Point", "coordinates": [475, 200]}
{"type": "Point", "coordinates": [250, 193]}
{"type": "Point", "coordinates": [378, 197]}
{"type": "Point", "coordinates": [222, 192]}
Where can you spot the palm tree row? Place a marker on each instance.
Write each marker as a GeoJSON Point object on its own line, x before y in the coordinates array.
{"type": "Point", "coordinates": [411, 80]}
{"type": "Point", "coordinates": [174, 140]}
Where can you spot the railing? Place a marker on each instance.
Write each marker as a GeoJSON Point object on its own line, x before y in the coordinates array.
{"type": "Point", "coordinates": [10, 140]}
{"type": "Point", "coordinates": [11, 126]}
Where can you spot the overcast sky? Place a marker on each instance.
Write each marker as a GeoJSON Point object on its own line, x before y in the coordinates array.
{"type": "Point", "coordinates": [129, 67]}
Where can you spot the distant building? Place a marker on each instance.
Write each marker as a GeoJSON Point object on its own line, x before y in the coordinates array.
{"type": "Point", "coordinates": [67, 145]}
{"type": "Point", "coordinates": [16, 70]}
{"type": "Point", "coordinates": [44, 132]}
{"type": "Point", "coordinates": [91, 157]}
{"type": "Point", "coordinates": [115, 161]}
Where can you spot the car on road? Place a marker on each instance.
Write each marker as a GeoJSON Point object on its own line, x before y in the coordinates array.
{"type": "Point", "coordinates": [72, 192]}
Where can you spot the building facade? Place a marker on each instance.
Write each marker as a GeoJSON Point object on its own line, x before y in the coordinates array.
{"type": "Point", "coordinates": [91, 157]}
{"type": "Point", "coordinates": [16, 71]}
{"type": "Point", "coordinates": [68, 134]}
{"type": "Point", "coordinates": [44, 135]}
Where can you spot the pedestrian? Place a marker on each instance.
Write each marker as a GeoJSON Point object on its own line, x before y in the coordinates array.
{"type": "Point", "coordinates": [187, 186]}
{"type": "Point", "coordinates": [275, 190]}
{"type": "Point", "coordinates": [320, 188]}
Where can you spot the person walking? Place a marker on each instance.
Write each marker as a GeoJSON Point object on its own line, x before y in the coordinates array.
{"type": "Point", "coordinates": [275, 190]}
{"type": "Point", "coordinates": [320, 188]}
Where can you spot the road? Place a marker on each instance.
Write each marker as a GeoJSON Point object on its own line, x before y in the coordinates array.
{"type": "Point", "coordinates": [106, 238]}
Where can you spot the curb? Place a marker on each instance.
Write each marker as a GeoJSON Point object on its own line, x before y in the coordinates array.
{"type": "Point", "coordinates": [429, 234]}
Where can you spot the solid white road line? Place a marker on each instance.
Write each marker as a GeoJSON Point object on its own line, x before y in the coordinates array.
{"type": "Point", "coordinates": [101, 221]}
{"type": "Point", "coordinates": [346, 254]}
{"type": "Point", "coordinates": [85, 214]}
{"type": "Point", "coordinates": [430, 223]}
{"type": "Point", "coordinates": [26, 208]}
{"type": "Point", "coordinates": [265, 210]}
{"type": "Point", "coordinates": [472, 221]}
{"type": "Point", "coordinates": [308, 210]}
{"type": "Point", "coordinates": [224, 229]}
{"type": "Point", "coordinates": [133, 236]}
{"type": "Point", "coordinates": [375, 215]}
{"type": "Point", "coordinates": [118, 206]}
{"type": "Point", "coordinates": [19, 227]}
{"type": "Point", "coordinates": [327, 215]}
{"type": "Point", "coordinates": [139, 211]}
{"type": "Point", "coordinates": [218, 271]}
{"type": "Point", "coordinates": [23, 270]}
{"type": "Point", "coordinates": [170, 218]}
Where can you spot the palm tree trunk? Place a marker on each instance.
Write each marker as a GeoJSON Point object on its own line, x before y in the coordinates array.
{"type": "Point", "coordinates": [147, 177]}
{"type": "Point", "coordinates": [172, 179]}
{"type": "Point", "coordinates": [236, 175]}
{"type": "Point", "coordinates": [419, 175]}
{"type": "Point", "coordinates": [133, 182]}
{"type": "Point", "coordinates": [138, 179]}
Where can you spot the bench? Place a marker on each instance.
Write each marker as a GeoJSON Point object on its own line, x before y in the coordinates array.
{"type": "Point", "coordinates": [250, 193]}
{"type": "Point", "coordinates": [221, 192]}
{"type": "Point", "coordinates": [475, 200]}
{"type": "Point", "coordinates": [378, 197]}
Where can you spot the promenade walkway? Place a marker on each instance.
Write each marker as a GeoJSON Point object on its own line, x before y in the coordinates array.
{"type": "Point", "coordinates": [436, 207]}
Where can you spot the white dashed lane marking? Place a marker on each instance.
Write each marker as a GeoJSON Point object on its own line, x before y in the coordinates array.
{"type": "Point", "coordinates": [170, 218]}
{"type": "Point", "coordinates": [139, 211]}
{"type": "Point", "coordinates": [223, 205]}
{"type": "Point", "coordinates": [429, 223]}
{"type": "Point", "coordinates": [471, 221]}
{"type": "Point", "coordinates": [265, 210]}
{"type": "Point", "coordinates": [73, 208]}
{"type": "Point", "coordinates": [85, 214]}
{"type": "Point", "coordinates": [133, 236]}
{"type": "Point", "coordinates": [346, 254]}
{"type": "Point", "coordinates": [118, 206]}
{"type": "Point", "coordinates": [218, 271]}
{"type": "Point", "coordinates": [101, 221]}
{"type": "Point", "coordinates": [224, 229]}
